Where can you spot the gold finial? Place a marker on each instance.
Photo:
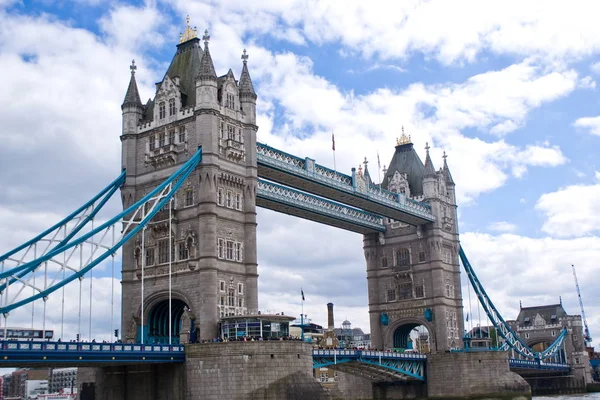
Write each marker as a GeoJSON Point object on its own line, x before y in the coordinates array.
{"type": "Point", "coordinates": [360, 169]}
{"type": "Point", "coordinates": [403, 139]}
{"type": "Point", "coordinates": [189, 33]}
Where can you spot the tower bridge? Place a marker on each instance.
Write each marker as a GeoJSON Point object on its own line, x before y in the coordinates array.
{"type": "Point", "coordinates": [193, 176]}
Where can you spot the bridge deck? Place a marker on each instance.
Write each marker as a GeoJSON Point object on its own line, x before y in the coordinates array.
{"type": "Point", "coordinates": [20, 354]}
{"type": "Point", "coordinates": [378, 366]}
{"type": "Point", "coordinates": [305, 174]}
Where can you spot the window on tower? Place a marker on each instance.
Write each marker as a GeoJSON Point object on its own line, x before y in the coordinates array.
{"type": "Point", "coordinates": [181, 134]}
{"type": "Point", "coordinates": [171, 136]}
{"type": "Point", "coordinates": [391, 295]}
{"type": "Point", "coordinates": [189, 198]}
{"type": "Point", "coordinates": [151, 142]}
{"type": "Point", "coordinates": [230, 101]}
{"type": "Point", "coordinates": [149, 256]}
{"type": "Point", "coordinates": [403, 258]}
{"type": "Point", "coordinates": [161, 110]}
{"type": "Point", "coordinates": [184, 253]}
{"type": "Point", "coordinates": [161, 139]}
{"type": "Point", "coordinates": [171, 107]}
{"type": "Point", "coordinates": [405, 291]}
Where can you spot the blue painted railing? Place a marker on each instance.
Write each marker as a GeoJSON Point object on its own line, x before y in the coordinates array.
{"type": "Point", "coordinates": [15, 352]}
{"type": "Point", "coordinates": [308, 169]}
{"type": "Point", "coordinates": [407, 364]}
{"type": "Point", "coordinates": [301, 200]}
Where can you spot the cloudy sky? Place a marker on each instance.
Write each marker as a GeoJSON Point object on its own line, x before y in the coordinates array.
{"type": "Point", "coordinates": [506, 88]}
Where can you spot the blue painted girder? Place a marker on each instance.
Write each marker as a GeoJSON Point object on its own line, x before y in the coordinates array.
{"type": "Point", "coordinates": [380, 365]}
{"type": "Point", "coordinates": [299, 204]}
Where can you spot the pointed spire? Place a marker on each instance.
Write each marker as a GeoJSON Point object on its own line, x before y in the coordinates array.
{"type": "Point", "coordinates": [446, 170]}
{"type": "Point", "coordinates": [207, 68]}
{"type": "Point", "coordinates": [246, 87]}
{"type": "Point", "coordinates": [429, 169]}
{"type": "Point", "coordinates": [132, 97]}
{"type": "Point", "coordinates": [366, 173]}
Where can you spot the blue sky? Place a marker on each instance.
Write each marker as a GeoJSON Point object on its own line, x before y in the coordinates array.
{"type": "Point", "coordinates": [508, 89]}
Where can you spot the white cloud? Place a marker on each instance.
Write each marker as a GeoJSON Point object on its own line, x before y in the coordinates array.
{"type": "Point", "coordinates": [587, 82]}
{"type": "Point", "coordinates": [502, 226]}
{"type": "Point", "coordinates": [592, 124]}
{"type": "Point", "coordinates": [563, 219]}
{"type": "Point", "coordinates": [595, 67]}
{"type": "Point", "coordinates": [437, 29]}
{"type": "Point", "coordinates": [597, 175]}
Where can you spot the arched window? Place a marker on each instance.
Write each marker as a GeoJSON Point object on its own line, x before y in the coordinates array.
{"type": "Point", "coordinates": [403, 258]}
{"type": "Point", "coordinates": [161, 110]}
{"type": "Point", "coordinates": [171, 106]}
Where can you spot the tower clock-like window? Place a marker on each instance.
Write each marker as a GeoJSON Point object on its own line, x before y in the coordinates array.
{"type": "Point", "coordinates": [403, 258]}
{"type": "Point", "coordinates": [161, 110]}
{"type": "Point", "coordinates": [171, 107]}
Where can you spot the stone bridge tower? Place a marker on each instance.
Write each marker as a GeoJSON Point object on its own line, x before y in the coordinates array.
{"type": "Point", "coordinates": [212, 249]}
{"type": "Point", "coordinates": [412, 271]}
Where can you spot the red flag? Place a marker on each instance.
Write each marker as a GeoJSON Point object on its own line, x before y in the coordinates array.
{"type": "Point", "coordinates": [332, 142]}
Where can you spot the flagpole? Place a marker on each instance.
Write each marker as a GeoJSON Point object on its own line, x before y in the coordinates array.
{"type": "Point", "coordinates": [333, 148]}
{"type": "Point", "coordinates": [302, 315]}
{"type": "Point", "coordinates": [378, 170]}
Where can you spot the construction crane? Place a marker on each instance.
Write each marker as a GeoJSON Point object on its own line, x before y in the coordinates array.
{"type": "Point", "coordinates": [586, 331]}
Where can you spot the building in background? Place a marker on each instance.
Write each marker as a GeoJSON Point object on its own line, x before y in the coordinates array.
{"type": "Point", "coordinates": [350, 338]}
{"type": "Point", "coordinates": [22, 382]}
{"type": "Point", "coordinates": [62, 380]}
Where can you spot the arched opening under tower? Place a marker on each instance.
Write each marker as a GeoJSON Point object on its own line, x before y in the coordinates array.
{"type": "Point", "coordinates": [412, 337]}
{"type": "Point", "coordinates": [158, 321]}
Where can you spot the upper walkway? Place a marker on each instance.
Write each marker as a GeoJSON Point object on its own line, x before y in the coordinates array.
{"type": "Point", "coordinates": [305, 174]}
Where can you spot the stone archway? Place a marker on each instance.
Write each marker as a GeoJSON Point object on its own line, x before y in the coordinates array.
{"type": "Point", "coordinates": [411, 335]}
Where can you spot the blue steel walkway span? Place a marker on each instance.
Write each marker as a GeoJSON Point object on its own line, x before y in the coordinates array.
{"type": "Point", "coordinates": [294, 202]}
{"type": "Point", "coordinates": [378, 366]}
{"type": "Point", "coordinates": [516, 364]}
{"type": "Point", "coordinates": [286, 169]}
{"type": "Point", "coordinates": [30, 354]}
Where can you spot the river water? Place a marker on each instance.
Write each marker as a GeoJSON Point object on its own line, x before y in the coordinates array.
{"type": "Point", "coordinates": [587, 396]}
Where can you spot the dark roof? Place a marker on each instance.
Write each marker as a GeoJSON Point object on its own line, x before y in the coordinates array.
{"type": "Point", "coordinates": [207, 68]}
{"type": "Point", "coordinates": [185, 65]}
{"type": "Point", "coordinates": [148, 111]}
{"type": "Point", "coordinates": [246, 87]}
{"type": "Point", "coordinates": [545, 312]}
{"type": "Point", "coordinates": [429, 168]}
{"type": "Point", "coordinates": [447, 174]}
{"type": "Point", "coordinates": [133, 95]}
{"type": "Point", "coordinates": [406, 160]}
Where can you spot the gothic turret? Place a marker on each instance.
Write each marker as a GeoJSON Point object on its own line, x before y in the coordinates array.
{"type": "Point", "coordinates": [247, 93]}
{"type": "Point", "coordinates": [430, 176]}
{"type": "Point", "coordinates": [446, 172]}
{"type": "Point", "coordinates": [132, 111]}
{"type": "Point", "coordinates": [206, 79]}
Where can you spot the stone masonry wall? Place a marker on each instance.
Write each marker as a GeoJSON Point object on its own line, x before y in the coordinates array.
{"type": "Point", "coordinates": [265, 370]}
{"type": "Point", "coordinates": [473, 376]}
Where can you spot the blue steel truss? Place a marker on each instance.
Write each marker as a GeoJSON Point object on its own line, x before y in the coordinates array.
{"type": "Point", "coordinates": [71, 259]}
{"type": "Point", "coordinates": [312, 204]}
{"type": "Point", "coordinates": [512, 339]}
{"type": "Point", "coordinates": [13, 353]}
{"type": "Point", "coordinates": [401, 365]}
{"type": "Point", "coordinates": [309, 170]}
{"type": "Point", "coordinates": [59, 234]}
